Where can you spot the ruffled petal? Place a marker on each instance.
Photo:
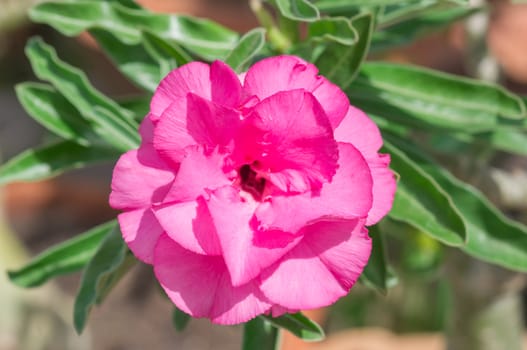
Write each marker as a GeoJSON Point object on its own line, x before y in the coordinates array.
{"type": "Point", "coordinates": [362, 132]}
{"type": "Point", "coordinates": [384, 187]}
{"type": "Point", "coordinates": [194, 121]}
{"type": "Point", "coordinates": [141, 231]}
{"type": "Point", "coordinates": [246, 249]}
{"type": "Point", "coordinates": [359, 130]}
{"type": "Point", "coordinates": [140, 178]}
{"type": "Point", "coordinates": [200, 285]}
{"type": "Point", "coordinates": [347, 196]}
{"type": "Point", "coordinates": [190, 225]}
{"type": "Point", "coordinates": [320, 269]}
{"type": "Point", "coordinates": [198, 173]}
{"type": "Point", "coordinates": [193, 77]}
{"type": "Point", "coordinates": [289, 136]}
{"type": "Point", "coordinates": [282, 73]}
{"type": "Point", "coordinates": [226, 88]}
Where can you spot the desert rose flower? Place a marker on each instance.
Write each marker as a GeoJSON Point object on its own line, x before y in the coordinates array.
{"type": "Point", "coordinates": [251, 193]}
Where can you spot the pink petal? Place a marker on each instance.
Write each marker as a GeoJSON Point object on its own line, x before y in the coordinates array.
{"type": "Point", "coordinates": [140, 178]}
{"type": "Point", "coordinates": [200, 285]}
{"type": "Point", "coordinates": [245, 249]}
{"type": "Point", "coordinates": [190, 225]}
{"type": "Point", "coordinates": [146, 130]}
{"type": "Point", "coordinates": [384, 186]}
{"type": "Point", "coordinates": [359, 130]}
{"type": "Point", "coordinates": [226, 88]}
{"type": "Point", "coordinates": [347, 196]}
{"type": "Point", "coordinates": [362, 132]}
{"type": "Point", "coordinates": [283, 73]}
{"type": "Point", "coordinates": [140, 231]}
{"type": "Point", "coordinates": [198, 173]}
{"type": "Point", "coordinates": [289, 135]}
{"type": "Point", "coordinates": [321, 268]}
{"type": "Point", "coordinates": [194, 121]}
{"type": "Point", "coordinates": [193, 77]}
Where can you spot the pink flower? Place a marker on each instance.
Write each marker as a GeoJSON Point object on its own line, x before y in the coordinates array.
{"type": "Point", "coordinates": [250, 193]}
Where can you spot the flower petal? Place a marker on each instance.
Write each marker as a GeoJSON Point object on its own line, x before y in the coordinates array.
{"type": "Point", "coordinates": [194, 121]}
{"type": "Point", "coordinates": [200, 285]}
{"type": "Point", "coordinates": [192, 77]}
{"type": "Point", "coordinates": [347, 196]}
{"type": "Point", "coordinates": [140, 178]}
{"type": "Point", "coordinates": [226, 87]}
{"type": "Point", "coordinates": [141, 231]}
{"type": "Point", "coordinates": [321, 268]}
{"type": "Point", "coordinates": [190, 225]}
{"type": "Point", "coordinates": [198, 173]}
{"type": "Point", "coordinates": [283, 73]}
{"type": "Point", "coordinates": [289, 135]}
{"type": "Point", "coordinates": [246, 250]}
{"type": "Point", "coordinates": [362, 132]}
{"type": "Point", "coordinates": [359, 130]}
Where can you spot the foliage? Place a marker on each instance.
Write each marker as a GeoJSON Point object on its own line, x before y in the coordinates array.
{"type": "Point", "coordinates": [405, 101]}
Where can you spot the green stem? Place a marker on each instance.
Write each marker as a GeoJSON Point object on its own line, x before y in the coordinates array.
{"type": "Point", "coordinates": [259, 334]}
{"type": "Point", "coordinates": [278, 39]}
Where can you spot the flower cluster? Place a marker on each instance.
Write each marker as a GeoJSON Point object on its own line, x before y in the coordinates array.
{"type": "Point", "coordinates": [251, 193]}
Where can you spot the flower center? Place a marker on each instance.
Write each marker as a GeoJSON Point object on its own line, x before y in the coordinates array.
{"type": "Point", "coordinates": [251, 182]}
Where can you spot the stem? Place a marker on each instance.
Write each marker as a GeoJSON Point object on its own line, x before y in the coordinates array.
{"type": "Point", "coordinates": [278, 39]}
{"type": "Point", "coordinates": [259, 334]}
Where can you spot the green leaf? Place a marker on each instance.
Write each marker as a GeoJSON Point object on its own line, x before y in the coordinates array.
{"type": "Point", "coordinates": [335, 29]}
{"type": "Point", "coordinates": [508, 140]}
{"type": "Point", "coordinates": [104, 270]}
{"type": "Point", "coordinates": [180, 319]}
{"type": "Point", "coordinates": [249, 46]}
{"type": "Point", "coordinates": [375, 274]}
{"type": "Point", "coordinates": [203, 37]}
{"type": "Point", "coordinates": [430, 99]}
{"type": "Point", "coordinates": [398, 30]}
{"type": "Point", "coordinates": [63, 258]}
{"type": "Point", "coordinates": [132, 60]}
{"type": "Point", "coordinates": [492, 237]}
{"type": "Point", "coordinates": [299, 325]}
{"type": "Point", "coordinates": [260, 334]}
{"type": "Point", "coordinates": [48, 107]}
{"type": "Point", "coordinates": [50, 160]}
{"type": "Point", "coordinates": [340, 63]}
{"type": "Point", "coordinates": [422, 203]}
{"type": "Point", "coordinates": [167, 54]}
{"type": "Point", "coordinates": [298, 10]}
{"type": "Point", "coordinates": [140, 105]}
{"type": "Point", "coordinates": [113, 123]}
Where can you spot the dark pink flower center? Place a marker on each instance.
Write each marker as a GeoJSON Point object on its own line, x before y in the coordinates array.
{"type": "Point", "coordinates": [252, 182]}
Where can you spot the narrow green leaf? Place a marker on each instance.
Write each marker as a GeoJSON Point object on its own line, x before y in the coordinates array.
{"type": "Point", "coordinates": [50, 160]}
{"type": "Point", "coordinates": [109, 120]}
{"type": "Point", "coordinates": [249, 46]}
{"type": "Point", "coordinates": [260, 334]}
{"type": "Point", "coordinates": [340, 63]}
{"type": "Point", "coordinates": [180, 319]}
{"type": "Point", "coordinates": [298, 10]}
{"type": "Point", "coordinates": [492, 237]}
{"type": "Point", "coordinates": [508, 140]}
{"type": "Point", "coordinates": [333, 29]}
{"type": "Point", "coordinates": [422, 203]}
{"type": "Point", "coordinates": [106, 267]}
{"type": "Point", "coordinates": [132, 60]}
{"type": "Point", "coordinates": [140, 105]}
{"type": "Point", "coordinates": [48, 107]}
{"type": "Point", "coordinates": [375, 274]}
{"type": "Point", "coordinates": [203, 37]}
{"type": "Point", "coordinates": [167, 54]}
{"type": "Point", "coordinates": [299, 325]}
{"type": "Point", "coordinates": [430, 99]}
{"type": "Point", "coordinates": [63, 258]}
{"type": "Point", "coordinates": [398, 30]}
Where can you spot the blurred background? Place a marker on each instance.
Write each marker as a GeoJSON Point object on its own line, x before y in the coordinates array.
{"type": "Point", "coordinates": [136, 315]}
